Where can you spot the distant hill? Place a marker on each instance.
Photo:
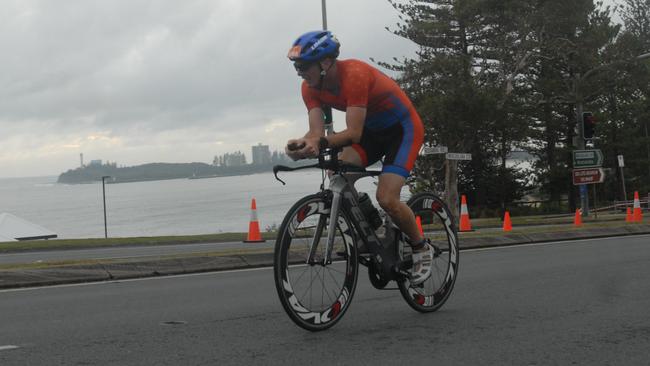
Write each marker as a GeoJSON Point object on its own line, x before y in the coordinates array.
{"type": "Point", "coordinates": [155, 171]}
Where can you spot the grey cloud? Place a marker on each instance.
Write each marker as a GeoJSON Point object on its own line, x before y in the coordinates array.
{"type": "Point", "coordinates": [142, 70]}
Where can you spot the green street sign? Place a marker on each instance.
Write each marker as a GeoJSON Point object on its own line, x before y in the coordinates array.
{"type": "Point", "coordinates": [587, 158]}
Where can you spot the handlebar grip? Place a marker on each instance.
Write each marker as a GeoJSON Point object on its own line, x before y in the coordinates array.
{"type": "Point", "coordinates": [293, 146]}
{"type": "Point", "coordinates": [282, 168]}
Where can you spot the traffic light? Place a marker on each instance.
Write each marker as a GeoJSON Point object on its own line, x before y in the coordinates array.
{"type": "Point", "coordinates": [588, 125]}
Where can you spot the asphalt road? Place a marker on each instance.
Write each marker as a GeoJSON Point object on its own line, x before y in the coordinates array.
{"type": "Point", "coordinates": [569, 303]}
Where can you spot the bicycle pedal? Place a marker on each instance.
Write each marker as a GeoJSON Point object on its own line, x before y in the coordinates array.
{"type": "Point", "coordinates": [365, 261]}
{"type": "Point", "coordinates": [404, 265]}
{"type": "Point", "coordinates": [362, 248]}
{"type": "Point", "coordinates": [436, 251]}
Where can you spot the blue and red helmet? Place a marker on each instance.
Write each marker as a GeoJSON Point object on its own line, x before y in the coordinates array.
{"type": "Point", "coordinates": [314, 46]}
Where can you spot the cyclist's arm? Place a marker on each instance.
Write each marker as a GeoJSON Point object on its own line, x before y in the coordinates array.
{"type": "Point", "coordinates": [316, 123]}
{"type": "Point", "coordinates": [308, 145]}
{"type": "Point", "coordinates": [354, 120]}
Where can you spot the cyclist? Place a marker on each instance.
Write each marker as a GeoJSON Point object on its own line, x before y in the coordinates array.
{"type": "Point", "coordinates": [380, 121]}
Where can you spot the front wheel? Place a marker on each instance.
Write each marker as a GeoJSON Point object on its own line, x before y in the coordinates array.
{"type": "Point", "coordinates": [314, 294]}
{"type": "Point", "coordinates": [439, 227]}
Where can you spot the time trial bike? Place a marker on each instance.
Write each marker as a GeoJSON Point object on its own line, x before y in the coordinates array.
{"type": "Point", "coordinates": [325, 236]}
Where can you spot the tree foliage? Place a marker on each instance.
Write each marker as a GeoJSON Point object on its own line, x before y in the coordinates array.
{"type": "Point", "coordinates": [491, 76]}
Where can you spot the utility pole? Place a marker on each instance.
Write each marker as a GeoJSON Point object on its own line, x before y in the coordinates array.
{"type": "Point", "coordinates": [104, 199]}
{"type": "Point", "coordinates": [327, 110]}
{"type": "Point", "coordinates": [647, 144]}
{"type": "Point", "coordinates": [584, 197]}
{"type": "Point", "coordinates": [324, 11]}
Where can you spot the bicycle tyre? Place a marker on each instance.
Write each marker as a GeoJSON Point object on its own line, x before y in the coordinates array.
{"type": "Point", "coordinates": [290, 268]}
{"type": "Point", "coordinates": [441, 230]}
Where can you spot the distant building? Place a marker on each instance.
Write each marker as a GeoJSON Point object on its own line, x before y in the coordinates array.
{"type": "Point", "coordinates": [230, 159]}
{"type": "Point", "coordinates": [279, 157]}
{"type": "Point", "coordinates": [261, 154]}
{"type": "Point", "coordinates": [95, 162]}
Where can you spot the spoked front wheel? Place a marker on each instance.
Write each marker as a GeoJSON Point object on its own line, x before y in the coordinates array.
{"type": "Point", "coordinates": [314, 294]}
{"type": "Point", "coordinates": [439, 227]}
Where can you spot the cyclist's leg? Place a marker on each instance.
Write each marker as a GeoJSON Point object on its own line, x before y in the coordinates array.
{"type": "Point", "coordinates": [388, 195]}
{"type": "Point", "coordinates": [352, 155]}
{"type": "Point", "coordinates": [401, 153]}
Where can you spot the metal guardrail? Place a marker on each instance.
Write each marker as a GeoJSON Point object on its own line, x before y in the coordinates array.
{"type": "Point", "coordinates": [616, 206]}
{"type": "Point", "coordinates": [623, 205]}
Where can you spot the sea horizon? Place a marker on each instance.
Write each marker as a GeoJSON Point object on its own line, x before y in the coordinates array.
{"type": "Point", "coordinates": [158, 208]}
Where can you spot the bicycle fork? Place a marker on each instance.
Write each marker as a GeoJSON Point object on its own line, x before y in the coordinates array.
{"type": "Point", "coordinates": [331, 231]}
{"type": "Point", "coordinates": [337, 185]}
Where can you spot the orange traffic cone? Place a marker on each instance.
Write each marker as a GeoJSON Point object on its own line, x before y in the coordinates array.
{"type": "Point", "coordinates": [628, 215]}
{"type": "Point", "coordinates": [507, 224]}
{"type": "Point", "coordinates": [637, 215]}
{"type": "Point", "coordinates": [418, 220]}
{"type": "Point", "coordinates": [577, 220]}
{"type": "Point", "coordinates": [254, 235]}
{"type": "Point", "coordinates": [465, 225]}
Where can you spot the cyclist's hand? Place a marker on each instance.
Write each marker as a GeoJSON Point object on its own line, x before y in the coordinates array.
{"type": "Point", "coordinates": [293, 149]}
{"type": "Point", "coordinates": [311, 148]}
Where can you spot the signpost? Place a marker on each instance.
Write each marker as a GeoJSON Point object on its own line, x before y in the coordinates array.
{"type": "Point", "coordinates": [458, 156]}
{"type": "Point", "coordinates": [451, 173]}
{"type": "Point", "coordinates": [582, 175]}
{"type": "Point", "coordinates": [587, 158]}
{"type": "Point", "coordinates": [430, 150]}
{"type": "Point", "coordinates": [588, 176]}
{"type": "Point", "coordinates": [621, 164]}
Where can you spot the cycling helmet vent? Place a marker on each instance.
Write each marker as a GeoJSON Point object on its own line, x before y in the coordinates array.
{"type": "Point", "coordinates": [314, 46]}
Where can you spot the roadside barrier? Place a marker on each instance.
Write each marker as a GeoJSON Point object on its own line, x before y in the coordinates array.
{"type": "Point", "coordinates": [577, 220]}
{"type": "Point", "coordinates": [507, 224]}
{"type": "Point", "coordinates": [465, 225]}
{"type": "Point", "coordinates": [254, 235]}
{"type": "Point", "coordinates": [637, 214]}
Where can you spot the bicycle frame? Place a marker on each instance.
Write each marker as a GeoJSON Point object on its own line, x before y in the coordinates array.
{"type": "Point", "coordinates": [386, 256]}
{"type": "Point", "coordinates": [345, 198]}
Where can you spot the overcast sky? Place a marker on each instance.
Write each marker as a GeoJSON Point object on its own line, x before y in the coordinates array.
{"type": "Point", "coordinates": [135, 81]}
{"type": "Point", "coordinates": [140, 81]}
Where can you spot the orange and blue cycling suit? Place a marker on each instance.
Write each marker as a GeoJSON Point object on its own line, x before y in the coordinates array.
{"type": "Point", "coordinates": [392, 128]}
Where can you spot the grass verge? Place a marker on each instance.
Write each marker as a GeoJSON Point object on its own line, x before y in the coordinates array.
{"type": "Point", "coordinates": [32, 245]}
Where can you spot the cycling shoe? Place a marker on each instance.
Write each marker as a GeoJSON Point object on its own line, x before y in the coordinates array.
{"type": "Point", "coordinates": [422, 264]}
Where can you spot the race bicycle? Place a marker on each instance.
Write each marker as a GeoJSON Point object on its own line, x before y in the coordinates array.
{"type": "Point", "coordinates": [325, 236]}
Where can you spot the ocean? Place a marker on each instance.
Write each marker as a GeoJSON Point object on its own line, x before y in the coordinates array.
{"type": "Point", "coordinates": [167, 207]}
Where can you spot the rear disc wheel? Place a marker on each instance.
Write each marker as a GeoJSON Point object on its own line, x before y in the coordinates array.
{"type": "Point", "coordinates": [440, 229]}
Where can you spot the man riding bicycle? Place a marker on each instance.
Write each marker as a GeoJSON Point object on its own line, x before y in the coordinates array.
{"type": "Point", "coordinates": [381, 123]}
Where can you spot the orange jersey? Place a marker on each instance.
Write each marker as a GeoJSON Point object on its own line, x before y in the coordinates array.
{"type": "Point", "coordinates": [392, 129]}
{"type": "Point", "coordinates": [362, 85]}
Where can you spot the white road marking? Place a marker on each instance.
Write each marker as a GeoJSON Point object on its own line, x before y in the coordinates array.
{"type": "Point", "coordinates": [7, 348]}
{"type": "Point", "coordinates": [103, 283]}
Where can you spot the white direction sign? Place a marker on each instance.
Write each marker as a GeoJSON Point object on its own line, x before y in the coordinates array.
{"type": "Point", "coordinates": [621, 162]}
{"type": "Point", "coordinates": [458, 156]}
{"type": "Point", "coordinates": [587, 158]}
{"type": "Point", "coordinates": [430, 150]}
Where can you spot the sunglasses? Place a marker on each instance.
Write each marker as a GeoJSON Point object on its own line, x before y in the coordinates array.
{"type": "Point", "coordinates": [302, 66]}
